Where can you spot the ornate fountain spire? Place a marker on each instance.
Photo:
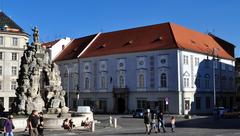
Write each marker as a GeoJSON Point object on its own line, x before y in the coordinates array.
{"type": "Point", "coordinates": [39, 82]}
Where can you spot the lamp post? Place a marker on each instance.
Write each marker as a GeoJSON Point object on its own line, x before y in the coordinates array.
{"type": "Point", "coordinates": [214, 80]}
{"type": "Point", "coordinates": [214, 84]}
{"type": "Point", "coordinates": [68, 80]}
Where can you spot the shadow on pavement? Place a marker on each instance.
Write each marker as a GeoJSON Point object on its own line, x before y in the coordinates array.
{"type": "Point", "coordinates": [208, 122]}
{"type": "Point", "coordinates": [127, 133]}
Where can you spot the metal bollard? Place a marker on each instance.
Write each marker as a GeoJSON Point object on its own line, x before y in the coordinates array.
{"type": "Point", "coordinates": [93, 127]}
{"type": "Point", "coordinates": [110, 121]}
{"type": "Point", "coordinates": [115, 123]}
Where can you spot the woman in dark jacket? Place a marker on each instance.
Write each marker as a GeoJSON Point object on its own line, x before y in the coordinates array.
{"type": "Point", "coordinates": [147, 121]}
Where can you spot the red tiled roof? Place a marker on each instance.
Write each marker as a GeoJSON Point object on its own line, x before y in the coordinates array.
{"type": "Point", "coordinates": [155, 37]}
{"type": "Point", "coordinates": [74, 48]}
{"type": "Point", "coordinates": [140, 39]}
{"type": "Point", "coordinates": [50, 44]}
{"type": "Point", "coordinates": [198, 42]}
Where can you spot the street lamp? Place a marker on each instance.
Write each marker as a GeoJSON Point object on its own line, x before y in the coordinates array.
{"type": "Point", "coordinates": [68, 101]}
{"type": "Point", "coordinates": [214, 80]}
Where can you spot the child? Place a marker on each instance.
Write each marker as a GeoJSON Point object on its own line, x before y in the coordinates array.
{"type": "Point", "coordinates": [173, 120]}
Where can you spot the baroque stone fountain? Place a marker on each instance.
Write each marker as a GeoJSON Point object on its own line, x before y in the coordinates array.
{"type": "Point", "coordinates": [39, 88]}
{"type": "Point", "coordinates": [39, 83]}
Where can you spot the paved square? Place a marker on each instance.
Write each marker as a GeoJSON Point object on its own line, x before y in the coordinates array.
{"type": "Point", "coordinates": [128, 126]}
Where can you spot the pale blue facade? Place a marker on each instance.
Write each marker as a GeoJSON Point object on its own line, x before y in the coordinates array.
{"type": "Point", "coordinates": [154, 79]}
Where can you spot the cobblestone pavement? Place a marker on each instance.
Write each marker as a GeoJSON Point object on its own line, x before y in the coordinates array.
{"type": "Point", "coordinates": [128, 126]}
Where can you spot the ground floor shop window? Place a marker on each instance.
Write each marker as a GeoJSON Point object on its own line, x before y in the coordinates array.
{"type": "Point", "coordinates": [88, 102]}
{"type": "Point", "coordinates": [142, 104]}
{"type": "Point", "coordinates": [101, 106]}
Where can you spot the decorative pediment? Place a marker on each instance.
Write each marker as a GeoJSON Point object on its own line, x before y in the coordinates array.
{"type": "Point", "coordinates": [186, 74]}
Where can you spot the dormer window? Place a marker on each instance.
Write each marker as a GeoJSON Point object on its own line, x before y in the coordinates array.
{"type": "Point", "coordinates": [128, 43]}
{"type": "Point", "coordinates": [102, 46]}
{"type": "Point", "coordinates": [192, 41]}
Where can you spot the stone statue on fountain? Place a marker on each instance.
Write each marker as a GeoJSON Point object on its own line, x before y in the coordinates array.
{"type": "Point", "coordinates": [39, 83]}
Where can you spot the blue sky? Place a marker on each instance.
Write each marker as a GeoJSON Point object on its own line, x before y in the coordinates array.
{"type": "Point", "coordinates": [77, 18]}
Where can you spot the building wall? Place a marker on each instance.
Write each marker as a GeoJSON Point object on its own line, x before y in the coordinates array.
{"type": "Point", "coordinates": [70, 80]}
{"type": "Point", "coordinates": [178, 90]}
{"type": "Point", "coordinates": [7, 78]}
{"type": "Point", "coordinates": [198, 69]}
{"type": "Point", "coordinates": [58, 47]}
{"type": "Point", "coordinates": [150, 64]}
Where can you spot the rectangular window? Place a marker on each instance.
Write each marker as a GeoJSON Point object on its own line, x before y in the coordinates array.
{"type": "Point", "coordinates": [14, 70]}
{"type": "Point", "coordinates": [198, 103]}
{"type": "Point", "coordinates": [14, 56]}
{"type": "Point", "coordinates": [207, 63]}
{"type": "Point", "coordinates": [223, 66]}
{"type": "Point", "coordinates": [196, 61]}
{"type": "Point", "coordinates": [185, 59]}
{"type": "Point", "coordinates": [11, 102]}
{"type": "Point", "coordinates": [1, 71]}
{"type": "Point", "coordinates": [1, 55]}
{"type": "Point", "coordinates": [185, 82]}
{"type": "Point", "coordinates": [208, 102]}
{"type": "Point", "coordinates": [215, 64]}
{"type": "Point", "coordinates": [13, 85]}
{"type": "Point", "coordinates": [15, 41]}
{"type": "Point", "coordinates": [141, 104]}
{"type": "Point", "coordinates": [1, 40]}
{"type": "Point", "coordinates": [88, 102]}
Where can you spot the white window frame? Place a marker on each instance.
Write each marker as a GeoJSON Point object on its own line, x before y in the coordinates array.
{"type": "Point", "coordinates": [15, 41]}
{"type": "Point", "coordinates": [197, 61]}
{"type": "Point", "coordinates": [103, 82]}
{"type": "Point", "coordinates": [121, 81]}
{"type": "Point", "coordinates": [86, 83]}
{"type": "Point", "coordinates": [1, 70]}
{"type": "Point", "coordinates": [186, 82]}
{"type": "Point", "coordinates": [13, 85]}
{"type": "Point", "coordinates": [185, 59]}
{"type": "Point", "coordinates": [163, 80]}
{"type": "Point", "coordinates": [14, 70]}
{"type": "Point", "coordinates": [1, 40]}
{"type": "Point", "coordinates": [141, 80]}
{"type": "Point", "coordinates": [14, 56]}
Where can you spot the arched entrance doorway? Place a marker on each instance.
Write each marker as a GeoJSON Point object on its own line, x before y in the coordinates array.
{"type": "Point", "coordinates": [121, 105]}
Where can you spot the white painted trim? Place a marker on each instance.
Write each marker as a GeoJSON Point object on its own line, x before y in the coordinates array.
{"type": "Point", "coordinates": [53, 60]}
{"type": "Point", "coordinates": [89, 44]}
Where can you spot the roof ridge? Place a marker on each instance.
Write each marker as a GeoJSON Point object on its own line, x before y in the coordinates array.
{"type": "Point", "coordinates": [171, 31]}
{"type": "Point", "coordinates": [139, 27]}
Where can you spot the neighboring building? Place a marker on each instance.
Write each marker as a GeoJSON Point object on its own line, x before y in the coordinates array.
{"type": "Point", "coordinates": [12, 42]}
{"type": "Point", "coordinates": [68, 66]}
{"type": "Point", "coordinates": [55, 47]}
{"type": "Point", "coordinates": [237, 69]}
{"type": "Point", "coordinates": [165, 65]}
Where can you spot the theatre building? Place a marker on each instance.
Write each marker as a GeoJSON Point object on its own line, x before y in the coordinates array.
{"type": "Point", "coordinates": [164, 66]}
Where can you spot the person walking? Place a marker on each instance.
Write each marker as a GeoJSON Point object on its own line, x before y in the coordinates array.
{"type": "Point", "coordinates": [147, 121]}
{"type": "Point", "coordinates": [161, 122]}
{"type": "Point", "coordinates": [8, 126]}
{"type": "Point", "coordinates": [40, 125]}
{"type": "Point", "coordinates": [154, 123]}
{"type": "Point", "coordinates": [173, 120]}
{"type": "Point", "coordinates": [33, 123]}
